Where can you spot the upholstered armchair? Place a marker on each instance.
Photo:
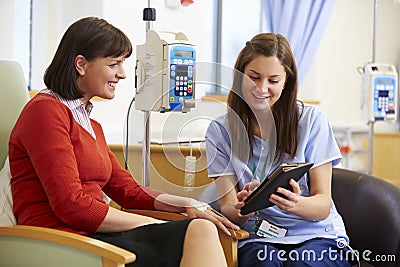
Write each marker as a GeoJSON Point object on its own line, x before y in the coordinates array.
{"type": "Point", "coordinates": [370, 208]}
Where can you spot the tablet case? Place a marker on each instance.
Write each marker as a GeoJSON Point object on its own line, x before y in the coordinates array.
{"type": "Point", "coordinates": [280, 177]}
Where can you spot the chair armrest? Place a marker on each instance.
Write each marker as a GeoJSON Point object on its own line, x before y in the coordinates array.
{"type": "Point", "coordinates": [111, 254]}
{"type": "Point", "coordinates": [156, 214]}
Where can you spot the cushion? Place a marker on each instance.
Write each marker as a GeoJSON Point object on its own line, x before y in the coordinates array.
{"type": "Point", "coordinates": [6, 202]}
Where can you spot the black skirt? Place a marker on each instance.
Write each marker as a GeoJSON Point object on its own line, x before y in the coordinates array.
{"type": "Point", "coordinates": [154, 244]}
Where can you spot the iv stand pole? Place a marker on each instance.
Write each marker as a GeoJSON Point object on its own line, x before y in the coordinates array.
{"type": "Point", "coordinates": [372, 122]}
{"type": "Point", "coordinates": [146, 150]}
{"type": "Point", "coordinates": [148, 15]}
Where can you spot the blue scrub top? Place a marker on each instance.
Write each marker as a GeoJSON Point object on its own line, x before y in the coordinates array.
{"type": "Point", "coordinates": [316, 143]}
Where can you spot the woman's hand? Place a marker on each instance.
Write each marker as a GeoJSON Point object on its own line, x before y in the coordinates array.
{"type": "Point", "coordinates": [286, 199]}
{"type": "Point", "coordinates": [194, 209]}
{"type": "Point", "coordinates": [198, 209]}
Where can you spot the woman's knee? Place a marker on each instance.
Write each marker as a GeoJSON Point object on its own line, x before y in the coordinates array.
{"type": "Point", "coordinates": [201, 228]}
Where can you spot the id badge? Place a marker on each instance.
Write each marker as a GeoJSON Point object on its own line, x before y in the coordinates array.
{"type": "Point", "coordinates": [268, 230]}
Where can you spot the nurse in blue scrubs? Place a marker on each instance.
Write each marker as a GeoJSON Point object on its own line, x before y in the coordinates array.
{"type": "Point", "coordinates": [266, 125]}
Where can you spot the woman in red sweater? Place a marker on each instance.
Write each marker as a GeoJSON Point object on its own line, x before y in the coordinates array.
{"type": "Point", "coordinates": [61, 164]}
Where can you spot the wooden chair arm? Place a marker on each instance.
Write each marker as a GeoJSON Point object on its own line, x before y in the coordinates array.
{"type": "Point", "coordinates": [156, 214]}
{"type": "Point", "coordinates": [114, 255]}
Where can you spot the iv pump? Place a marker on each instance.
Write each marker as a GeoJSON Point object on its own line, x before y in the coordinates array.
{"type": "Point", "coordinates": [165, 73]}
{"type": "Point", "coordinates": [379, 97]}
{"type": "Point", "coordinates": [165, 76]}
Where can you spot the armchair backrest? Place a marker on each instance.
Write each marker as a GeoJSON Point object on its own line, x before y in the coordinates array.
{"type": "Point", "coordinates": [370, 208]}
{"type": "Point", "coordinates": [13, 96]}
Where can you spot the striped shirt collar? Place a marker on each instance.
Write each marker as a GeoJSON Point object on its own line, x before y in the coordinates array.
{"type": "Point", "coordinates": [80, 112]}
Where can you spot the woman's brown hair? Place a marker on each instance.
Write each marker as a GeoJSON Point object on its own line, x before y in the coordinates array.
{"type": "Point", "coordinates": [90, 37]}
{"type": "Point", "coordinates": [285, 110]}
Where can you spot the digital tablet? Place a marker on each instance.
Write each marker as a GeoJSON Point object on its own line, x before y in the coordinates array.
{"type": "Point", "coordinates": [259, 198]}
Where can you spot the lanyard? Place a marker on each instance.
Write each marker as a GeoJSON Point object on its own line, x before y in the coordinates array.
{"type": "Point", "coordinates": [263, 172]}
{"type": "Point", "coordinates": [254, 177]}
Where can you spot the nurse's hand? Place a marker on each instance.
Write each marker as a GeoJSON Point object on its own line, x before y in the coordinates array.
{"type": "Point", "coordinates": [286, 199]}
{"type": "Point", "coordinates": [247, 189]}
{"type": "Point", "coordinates": [244, 193]}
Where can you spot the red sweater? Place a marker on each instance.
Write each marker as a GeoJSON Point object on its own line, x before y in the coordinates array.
{"type": "Point", "coordinates": [59, 171]}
